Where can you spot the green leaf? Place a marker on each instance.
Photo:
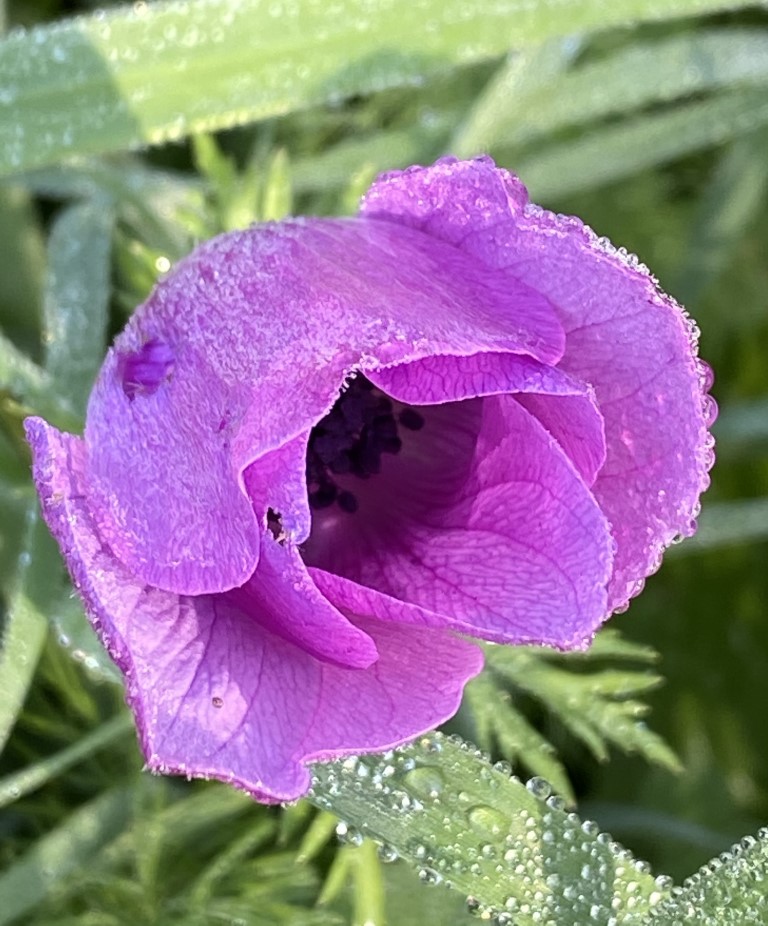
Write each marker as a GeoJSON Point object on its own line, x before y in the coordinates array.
{"type": "Point", "coordinates": [498, 720]}
{"type": "Point", "coordinates": [159, 72]}
{"type": "Point", "coordinates": [637, 75]}
{"type": "Point", "coordinates": [609, 153]}
{"type": "Point", "coordinates": [15, 786]}
{"type": "Point", "coordinates": [519, 856]}
{"type": "Point", "coordinates": [726, 524]}
{"type": "Point", "coordinates": [62, 851]}
{"type": "Point", "coordinates": [731, 890]}
{"type": "Point", "coordinates": [505, 100]}
{"type": "Point", "coordinates": [730, 203]}
{"type": "Point", "coordinates": [598, 705]}
{"type": "Point", "coordinates": [34, 596]}
{"type": "Point", "coordinates": [77, 298]}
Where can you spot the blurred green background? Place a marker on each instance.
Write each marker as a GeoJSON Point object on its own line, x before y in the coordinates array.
{"type": "Point", "coordinates": [647, 119]}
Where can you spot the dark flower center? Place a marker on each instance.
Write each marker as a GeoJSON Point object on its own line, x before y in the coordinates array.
{"type": "Point", "coordinates": [351, 440]}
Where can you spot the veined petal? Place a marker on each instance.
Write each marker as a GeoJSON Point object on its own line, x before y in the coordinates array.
{"type": "Point", "coordinates": [565, 405]}
{"type": "Point", "coordinates": [243, 347]}
{"type": "Point", "coordinates": [214, 692]}
{"type": "Point", "coordinates": [624, 336]}
{"type": "Point", "coordinates": [483, 524]}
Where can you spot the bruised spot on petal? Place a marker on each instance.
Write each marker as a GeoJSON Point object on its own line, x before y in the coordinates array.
{"type": "Point", "coordinates": [142, 372]}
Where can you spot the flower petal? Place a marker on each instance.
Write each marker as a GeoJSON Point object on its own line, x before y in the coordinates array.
{"type": "Point", "coordinates": [564, 405]}
{"type": "Point", "coordinates": [282, 598]}
{"type": "Point", "coordinates": [244, 346]}
{"type": "Point", "coordinates": [481, 522]}
{"type": "Point", "coordinates": [624, 336]}
{"type": "Point", "coordinates": [217, 695]}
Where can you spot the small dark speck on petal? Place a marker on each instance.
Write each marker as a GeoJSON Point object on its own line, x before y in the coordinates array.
{"type": "Point", "coordinates": [217, 702]}
{"type": "Point", "coordinates": [143, 371]}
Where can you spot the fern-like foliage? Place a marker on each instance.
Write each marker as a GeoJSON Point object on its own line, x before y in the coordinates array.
{"type": "Point", "coordinates": [596, 695]}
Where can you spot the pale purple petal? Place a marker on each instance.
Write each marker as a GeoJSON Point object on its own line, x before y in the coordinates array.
{"type": "Point", "coordinates": [243, 347]}
{"type": "Point", "coordinates": [624, 336]}
{"type": "Point", "coordinates": [482, 522]}
{"type": "Point", "coordinates": [216, 694]}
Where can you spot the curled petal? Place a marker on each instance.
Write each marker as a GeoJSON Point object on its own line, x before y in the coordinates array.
{"type": "Point", "coordinates": [565, 405]}
{"type": "Point", "coordinates": [217, 694]}
{"type": "Point", "coordinates": [483, 524]}
{"type": "Point", "coordinates": [245, 346]}
{"type": "Point", "coordinates": [625, 337]}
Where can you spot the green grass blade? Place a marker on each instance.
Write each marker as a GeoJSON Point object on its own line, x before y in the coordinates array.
{"type": "Point", "coordinates": [637, 75]}
{"type": "Point", "coordinates": [26, 625]}
{"type": "Point", "coordinates": [613, 152]}
{"type": "Point", "coordinates": [15, 786]}
{"type": "Point", "coordinates": [443, 807]}
{"type": "Point", "coordinates": [77, 298]}
{"type": "Point", "coordinates": [152, 73]}
{"type": "Point", "coordinates": [726, 524]}
{"type": "Point", "coordinates": [61, 852]}
{"type": "Point", "coordinates": [730, 204]}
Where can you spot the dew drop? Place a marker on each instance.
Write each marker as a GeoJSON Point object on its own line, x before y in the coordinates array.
{"type": "Point", "coordinates": [539, 788]}
{"type": "Point", "coordinates": [487, 822]}
{"type": "Point", "coordinates": [425, 780]}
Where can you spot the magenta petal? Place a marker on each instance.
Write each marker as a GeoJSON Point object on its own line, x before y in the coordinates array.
{"type": "Point", "coordinates": [483, 524]}
{"type": "Point", "coordinates": [282, 598]}
{"type": "Point", "coordinates": [243, 347]}
{"type": "Point", "coordinates": [625, 337]}
{"type": "Point", "coordinates": [216, 694]}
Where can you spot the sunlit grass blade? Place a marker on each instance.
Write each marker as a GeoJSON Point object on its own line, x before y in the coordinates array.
{"type": "Point", "coordinates": [440, 805]}
{"type": "Point", "coordinates": [157, 72]}
{"type": "Point", "coordinates": [635, 76]}
{"type": "Point", "coordinates": [612, 152]}
{"type": "Point", "coordinates": [504, 102]}
{"type": "Point", "coordinates": [728, 891]}
{"type": "Point", "coordinates": [77, 298]}
{"type": "Point", "coordinates": [62, 851]}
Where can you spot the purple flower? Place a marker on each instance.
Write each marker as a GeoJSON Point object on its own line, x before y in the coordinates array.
{"type": "Point", "coordinates": [324, 447]}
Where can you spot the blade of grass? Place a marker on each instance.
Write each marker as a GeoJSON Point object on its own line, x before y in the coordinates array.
{"type": "Point", "coordinates": [153, 73]}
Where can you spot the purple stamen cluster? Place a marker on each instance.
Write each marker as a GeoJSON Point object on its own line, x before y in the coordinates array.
{"type": "Point", "coordinates": [351, 439]}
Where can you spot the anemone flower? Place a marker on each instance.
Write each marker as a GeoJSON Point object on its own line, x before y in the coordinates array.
{"type": "Point", "coordinates": [326, 451]}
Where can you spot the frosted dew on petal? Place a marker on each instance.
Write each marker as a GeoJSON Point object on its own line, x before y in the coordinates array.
{"type": "Point", "coordinates": [217, 695]}
{"type": "Point", "coordinates": [243, 347]}
{"type": "Point", "coordinates": [625, 337]}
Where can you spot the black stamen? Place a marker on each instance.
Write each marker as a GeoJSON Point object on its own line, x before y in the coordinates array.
{"type": "Point", "coordinates": [347, 502]}
{"type": "Point", "coordinates": [411, 419]}
{"type": "Point", "coordinates": [351, 439]}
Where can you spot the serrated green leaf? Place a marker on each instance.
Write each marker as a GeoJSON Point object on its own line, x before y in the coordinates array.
{"type": "Point", "coordinates": [497, 719]}
{"type": "Point", "coordinates": [599, 707]}
{"type": "Point", "coordinates": [159, 72]}
{"type": "Point", "coordinates": [611, 152]}
{"type": "Point", "coordinates": [76, 299]}
{"type": "Point", "coordinates": [441, 805]}
{"type": "Point", "coordinates": [61, 852]}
